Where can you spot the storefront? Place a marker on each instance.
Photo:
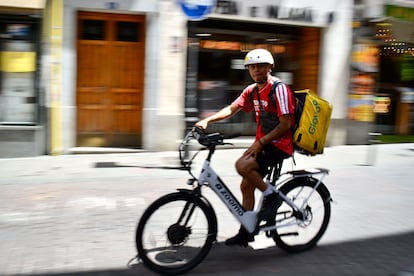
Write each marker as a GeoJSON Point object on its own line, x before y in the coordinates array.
{"type": "Point", "coordinates": [96, 73]}
{"type": "Point", "coordinates": [22, 124]}
{"type": "Point", "coordinates": [397, 66]}
{"type": "Point", "coordinates": [74, 74]}
{"type": "Point", "coordinates": [300, 37]}
{"type": "Point", "coordinates": [103, 87]}
{"type": "Point", "coordinates": [221, 75]}
{"type": "Point", "coordinates": [381, 94]}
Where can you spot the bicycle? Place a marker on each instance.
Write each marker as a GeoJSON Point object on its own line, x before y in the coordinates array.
{"type": "Point", "coordinates": [176, 232]}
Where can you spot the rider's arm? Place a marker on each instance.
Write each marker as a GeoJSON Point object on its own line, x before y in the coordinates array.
{"type": "Point", "coordinates": [222, 114]}
{"type": "Point", "coordinates": [278, 131]}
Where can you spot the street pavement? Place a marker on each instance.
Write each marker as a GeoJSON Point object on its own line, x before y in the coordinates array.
{"type": "Point", "coordinates": [76, 214]}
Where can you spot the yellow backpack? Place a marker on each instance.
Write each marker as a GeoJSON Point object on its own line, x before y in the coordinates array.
{"type": "Point", "coordinates": [312, 119]}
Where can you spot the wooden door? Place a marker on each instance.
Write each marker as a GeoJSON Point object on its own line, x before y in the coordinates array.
{"type": "Point", "coordinates": [308, 53]}
{"type": "Point", "coordinates": [110, 79]}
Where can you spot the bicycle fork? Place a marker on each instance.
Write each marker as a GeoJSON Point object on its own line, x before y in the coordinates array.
{"type": "Point", "coordinates": [178, 232]}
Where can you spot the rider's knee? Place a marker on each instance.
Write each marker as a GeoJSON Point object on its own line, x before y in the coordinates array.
{"type": "Point", "coordinates": [245, 166]}
{"type": "Point", "coordinates": [241, 167]}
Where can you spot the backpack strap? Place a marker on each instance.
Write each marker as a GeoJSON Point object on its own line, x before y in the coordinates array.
{"type": "Point", "coordinates": [272, 95]}
{"type": "Point", "coordinates": [273, 99]}
{"type": "Point", "coordinates": [272, 92]}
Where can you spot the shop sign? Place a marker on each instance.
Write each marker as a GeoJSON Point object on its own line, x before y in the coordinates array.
{"type": "Point", "coordinates": [402, 20]}
{"type": "Point", "coordinates": [18, 61]}
{"type": "Point", "coordinates": [18, 30]}
{"type": "Point", "coordinates": [30, 4]}
{"type": "Point", "coordinates": [407, 97]}
{"type": "Point", "coordinates": [360, 108]}
{"type": "Point", "coordinates": [237, 64]}
{"type": "Point", "coordinates": [112, 5]}
{"type": "Point", "coordinates": [363, 75]}
{"type": "Point", "coordinates": [407, 68]}
{"type": "Point", "coordinates": [407, 94]}
{"type": "Point", "coordinates": [402, 30]}
{"type": "Point", "coordinates": [197, 9]}
{"type": "Point", "coordinates": [382, 104]}
{"type": "Point", "coordinates": [271, 10]}
{"type": "Point", "coordinates": [402, 13]}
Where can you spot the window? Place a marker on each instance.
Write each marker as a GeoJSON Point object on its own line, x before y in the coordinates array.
{"type": "Point", "coordinates": [127, 31]}
{"type": "Point", "coordinates": [18, 65]}
{"type": "Point", "coordinates": [93, 29]}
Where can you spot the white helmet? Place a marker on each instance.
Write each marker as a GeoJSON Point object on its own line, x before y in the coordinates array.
{"type": "Point", "coordinates": [258, 56]}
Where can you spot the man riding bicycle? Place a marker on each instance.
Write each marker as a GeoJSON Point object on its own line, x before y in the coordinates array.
{"type": "Point", "coordinates": [273, 143]}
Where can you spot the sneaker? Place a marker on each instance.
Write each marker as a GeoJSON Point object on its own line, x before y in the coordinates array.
{"type": "Point", "coordinates": [242, 238]}
{"type": "Point", "coordinates": [269, 207]}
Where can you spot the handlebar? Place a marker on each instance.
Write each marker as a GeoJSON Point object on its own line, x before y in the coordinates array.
{"type": "Point", "coordinates": [212, 139]}
{"type": "Point", "coordinates": [209, 140]}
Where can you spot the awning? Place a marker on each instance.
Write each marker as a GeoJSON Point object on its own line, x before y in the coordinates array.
{"type": "Point", "coordinates": [402, 30]}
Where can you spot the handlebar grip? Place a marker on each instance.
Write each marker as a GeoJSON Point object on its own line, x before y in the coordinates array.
{"type": "Point", "coordinates": [198, 130]}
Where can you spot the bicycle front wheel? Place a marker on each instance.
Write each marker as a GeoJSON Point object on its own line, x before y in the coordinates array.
{"type": "Point", "coordinates": [175, 233]}
{"type": "Point", "coordinates": [297, 233]}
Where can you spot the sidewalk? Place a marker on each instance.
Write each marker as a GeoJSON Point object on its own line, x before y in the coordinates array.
{"type": "Point", "coordinates": [381, 157]}
{"type": "Point", "coordinates": [77, 214]}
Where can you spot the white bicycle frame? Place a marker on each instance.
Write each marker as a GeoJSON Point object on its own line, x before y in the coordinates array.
{"type": "Point", "coordinates": [249, 218]}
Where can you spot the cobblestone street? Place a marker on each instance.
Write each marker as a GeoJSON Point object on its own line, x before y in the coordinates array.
{"type": "Point", "coordinates": [76, 214]}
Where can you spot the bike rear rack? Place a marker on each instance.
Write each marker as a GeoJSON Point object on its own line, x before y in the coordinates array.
{"type": "Point", "coordinates": [308, 172]}
{"type": "Point", "coordinates": [275, 172]}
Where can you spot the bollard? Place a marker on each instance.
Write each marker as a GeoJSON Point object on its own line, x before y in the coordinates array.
{"type": "Point", "coordinates": [374, 139]}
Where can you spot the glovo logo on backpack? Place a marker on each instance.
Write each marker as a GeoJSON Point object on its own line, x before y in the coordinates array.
{"type": "Point", "coordinates": [315, 119]}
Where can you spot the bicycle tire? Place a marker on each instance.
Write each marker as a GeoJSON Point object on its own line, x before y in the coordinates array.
{"type": "Point", "coordinates": [168, 248]}
{"type": "Point", "coordinates": [317, 207]}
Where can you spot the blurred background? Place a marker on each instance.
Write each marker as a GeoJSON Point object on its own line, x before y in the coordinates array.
{"type": "Point", "coordinates": [135, 74]}
{"type": "Point", "coordinates": [128, 76]}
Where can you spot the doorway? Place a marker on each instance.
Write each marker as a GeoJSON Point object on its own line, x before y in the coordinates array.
{"type": "Point", "coordinates": [110, 79]}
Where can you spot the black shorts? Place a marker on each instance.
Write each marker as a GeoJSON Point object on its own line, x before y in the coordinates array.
{"type": "Point", "coordinates": [270, 156]}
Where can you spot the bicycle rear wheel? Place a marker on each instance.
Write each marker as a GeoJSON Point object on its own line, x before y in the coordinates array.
{"type": "Point", "coordinates": [175, 233]}
{"type": "Point", "coordinates": [298, 233]}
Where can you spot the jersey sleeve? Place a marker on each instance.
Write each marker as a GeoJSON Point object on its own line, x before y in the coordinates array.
{"type": "Point", "coordinates": [285, 100]}
{"type": "Point", "coordinates": [245, 100]}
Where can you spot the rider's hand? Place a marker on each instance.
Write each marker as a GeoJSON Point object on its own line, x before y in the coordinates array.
{"type": "Point", "coordinates": [253, 150]}
{"type": "Point", "coordinates": [202, 124]}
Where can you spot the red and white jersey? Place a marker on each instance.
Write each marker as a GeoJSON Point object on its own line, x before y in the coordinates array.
{"type": "Point", "coordinates": [285, 104]}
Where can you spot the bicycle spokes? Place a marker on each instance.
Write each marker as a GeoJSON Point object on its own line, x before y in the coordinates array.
{"type": "Point", "coordinates": [175, 232]}
{"type": "Point", "coordinates": [301, 229]}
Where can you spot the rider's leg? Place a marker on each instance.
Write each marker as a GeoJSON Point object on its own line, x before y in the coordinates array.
{"type": "Point", "coordinates": [242, 238]}
{"type": "Point", "coordinates": [248, 168]}
{"type": "Point", "coordinates": [247, 188]}
{"type": "Point", "coordinates": [252, 179]}
{"type": "Point", "coordinates": [247, 191]}
{"type": "Point", "coordinates": [253, 170]}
